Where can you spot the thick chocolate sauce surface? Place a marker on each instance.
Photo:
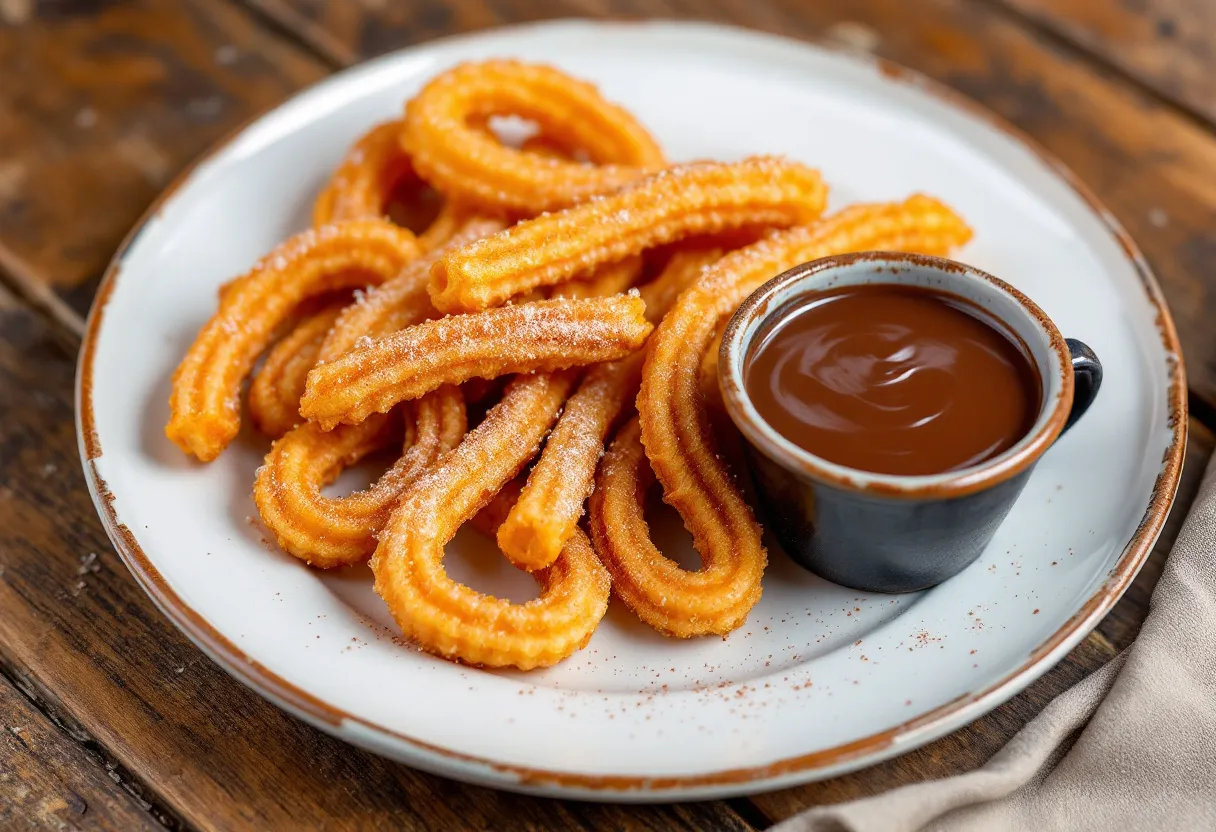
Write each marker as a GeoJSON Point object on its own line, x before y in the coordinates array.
{"type": "Point", "coordinates": [892, 379]}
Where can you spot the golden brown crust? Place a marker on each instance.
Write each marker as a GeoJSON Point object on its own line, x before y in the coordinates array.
{"type": "Point", "coordinates": [528, 308]}
{"type": "Point", "coordinates": [547, 512]}
{"type": "Point", "coordinates": [455, 154]}
{"type": "Point", "coordinates": [611, 279]}
{"type": "Point", "coordinates": [371, 175]}
{"type": "Point", "coordinates": [451, 619]}
{"type": "Point", "coordinates": [328, 532]}
{"type": "Point", "coordinates": [488, 521]}
{"type": "Point", "coordinates": [531, 337]}
{"type": "Point", "coordinates": [693, 200]}
{"type": "Point", "coordinates": [713, 599]}
{"type": "Point", "coordinates": [205, 400]}
{"type": "Point", "coordinates": [274, 394]}
{"type": "Point", "coordinates": [361, 185]}
{"type": "Point", "coordinates": [681, 271]}
{"type": "Point", "coordinates": [400, 302]}
{"type": "Point", "coordinates": [454, 221]}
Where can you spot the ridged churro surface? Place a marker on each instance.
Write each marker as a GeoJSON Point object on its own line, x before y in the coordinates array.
{"type": "Point", "coordinates": [338, 531]}
{"type": "Point", "coordinates": [527, 305]}
{"type": "Point", "coordinates": [454, 153]}
{"type": "Point", "coordinates": [274, 394]}
{"type": "Point", "coordinates": [547, 511]}
{"type": "Point", "coordinates": [451, 619]}
{"type": "Point", "coordinates": [529, 337]}
{"type": "Point", "coordinates": [687, 201]}
{"type": "Point", "coordinates": [205, 400]}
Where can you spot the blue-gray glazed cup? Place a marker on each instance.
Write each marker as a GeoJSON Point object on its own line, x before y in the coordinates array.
{"type": "Point", "coordinates": [882, 532]}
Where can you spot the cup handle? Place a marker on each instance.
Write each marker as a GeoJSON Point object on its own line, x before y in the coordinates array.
{"type": "Point", "coordinates": [1087, 378]}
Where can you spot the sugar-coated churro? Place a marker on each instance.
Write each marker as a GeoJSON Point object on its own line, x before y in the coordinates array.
{"type": "Point", "coordinates": [466, 162]}
{"type": "Point", "coordinates": [693, 200]}
{"type": "Point", "coordinates": [530, 337]}
{"type": "Point", "coordinates": [521, 307]}
{"type": "Point", "coordinates": [451, 619]}
{"type": "Point", "coordinates": [274, 394]}
{"type": "Point", "coordinates": [338, 531]}
{"type": "Point", "coordinates": [547, 511]}
{"type": "Point", "coordinates": [205, 399]}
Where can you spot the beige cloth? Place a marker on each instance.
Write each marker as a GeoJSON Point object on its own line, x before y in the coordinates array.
{"type": "Point", "coordinates": [1132, 747]}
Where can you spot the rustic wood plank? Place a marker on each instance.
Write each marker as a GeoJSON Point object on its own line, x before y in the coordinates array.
{"type": "Point", "coordinates": [75, 625]}
{"type": "Point", "coordinates": [1168, 205]}
{"type": "Point", "coordinates": [49, 781]}
{"type": "Point", "coordinates": [346, 33]}
{"type": "Point", "coordinates": [1105, 129]}
{"type": "Point", "coordinates": [972, 746]}
{"type": "Point", "coordinates": [1167, 45]}
{"type": "Point", "coordinates": [118, 97]}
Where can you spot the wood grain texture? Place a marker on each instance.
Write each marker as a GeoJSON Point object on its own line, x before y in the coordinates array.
{"type": "Point", "coordinates": [972, 746]}
{"type": "Point", "coordinates": [48, 781]}
{"type": "Point", "coordinates": [1154, 168]}
{"type": "Point", "coordinates": [1168, 45]}
{"type": "Point", "coordinates": [117, 98]}
{"type": "Point", "coordinates": [133, 97]}
{"type": "Point", "coordinates": [76, 625]}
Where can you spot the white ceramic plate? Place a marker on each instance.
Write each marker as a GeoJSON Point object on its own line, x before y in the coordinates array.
{"type": "Point", "coordinates": [821, 680]}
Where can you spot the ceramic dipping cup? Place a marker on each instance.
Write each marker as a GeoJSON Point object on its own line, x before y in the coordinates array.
{"type": "Point", "coordinates": [882, 532]}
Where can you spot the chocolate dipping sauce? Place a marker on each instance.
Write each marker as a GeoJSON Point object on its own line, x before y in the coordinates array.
{"type": "Point", "coordinates": [892, 379]}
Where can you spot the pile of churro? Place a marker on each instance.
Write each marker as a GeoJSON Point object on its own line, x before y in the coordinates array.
{"type": "Point", "coordinates": [542, 353]}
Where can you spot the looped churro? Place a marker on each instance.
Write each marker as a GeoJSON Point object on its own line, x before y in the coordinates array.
{"type": "Point", "coordinates": [714, 599]}
{"type": "Point", "coordinates": [451, 151]}
{"type": "Point", "coordinates": [274, 395]}
{"type": "Point", "coordinates": [676, 430]}
{"type": "Point", "coordinates": [693, 200]}
{"type": "Point", "coordinates": [365, 182]}
{"type": "Point", "coordinates": [205, 399]}
{"type": "Point", "coordinates": [328, 532]}
{"type": "Point", "coordinates": [361, 186]}
{"type": "Point", "coordinates": [451, 619]}
{"type": "Point", "coordinates": [548, 510]}
{"type": "Point", "coordinates": [530, 337]}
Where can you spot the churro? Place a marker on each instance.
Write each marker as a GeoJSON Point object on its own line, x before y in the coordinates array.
{"type": "Point", "coordinates": [454, 153]}
{"type": "Point", "coordinates": [693, 200]}
{"type": "Point", "coordinates": [274, 394]}
{"type": "Point", "coordinates": [451, 619]}
{"type": "Point", "coordinates": [531, 337]}
{"type": "Point", "coordinates": [546, 513]}
{"type": "Point", "coordinates": [205, 399]}
{"type": "Point", "coordinates": [519, 299]}
{"type": "Point", "coordinates": [400, 302]}
{"type": "Point", "coordinates": [361, 185]}
{"type": "Point", "coordinates": [328, 532]}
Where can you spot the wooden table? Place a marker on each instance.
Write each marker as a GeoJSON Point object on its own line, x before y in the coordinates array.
{"type": "Point", "coordinates": [111, 719]}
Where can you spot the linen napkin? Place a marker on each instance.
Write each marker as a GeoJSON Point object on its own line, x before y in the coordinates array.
{"type": "Point", "coordinates": [1131, 747]}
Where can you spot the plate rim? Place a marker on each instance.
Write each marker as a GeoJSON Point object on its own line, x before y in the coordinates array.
{"type": "Point", "coordinates": [788, 771]}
